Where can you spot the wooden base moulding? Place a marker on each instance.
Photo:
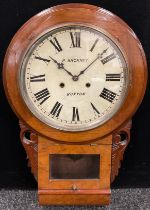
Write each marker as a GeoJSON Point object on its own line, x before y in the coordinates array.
{"type": "Point", "coordinates": [81, 197]}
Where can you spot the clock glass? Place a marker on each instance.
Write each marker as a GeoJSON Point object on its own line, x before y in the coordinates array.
{"type": "Point", "coordinates": [74, 77]}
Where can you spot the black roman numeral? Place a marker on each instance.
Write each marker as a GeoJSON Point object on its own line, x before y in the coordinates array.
{"type": "Point", "coordinates": [42, 95]}
{"type": "Point", "coordinates": [94, 108]}
{"type": "Point", "coordinates": [108, 95]}
{"type": "Point", "coordinates": [38, 78]}
{"type": "Point", "coordinates": [112, 77]}
{"type": "Point", "coordinates": [75, 116]}
{"type": "Point", "coordinates": [56, 109]}
{"type": "Point", "coordinates": [108, 58]}
{"type": "Point", "coordinates": [42, 59]}
{"type": "Point", "coordinates": [93, 46]}
{"type": "Point", "coordinates": [56, 44]}
{"type": "Point", "coordinates": [75, 38]}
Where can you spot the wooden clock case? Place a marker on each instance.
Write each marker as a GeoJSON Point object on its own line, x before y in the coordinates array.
{"type": "Point", "coordinates": [105, 139]}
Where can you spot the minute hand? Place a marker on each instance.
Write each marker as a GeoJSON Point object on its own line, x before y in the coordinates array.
{"type": "Point", "coordinates": [82, 72]}
{"type": "Point", "coordinates": [98, 56]}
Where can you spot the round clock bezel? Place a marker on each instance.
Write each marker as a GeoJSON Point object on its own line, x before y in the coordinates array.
{"type": "Point", "coordinates": [36, 42]}
{"type": "Point", "coordinates": [67, 14]}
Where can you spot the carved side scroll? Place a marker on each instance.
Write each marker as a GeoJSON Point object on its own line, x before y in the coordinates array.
{"type": "Point", "coordinates": [30, 142]}
{"type": "Point", "coordinates": [120, 141]}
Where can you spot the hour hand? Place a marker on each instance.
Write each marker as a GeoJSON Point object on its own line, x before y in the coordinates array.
{"type": "Point", "coordinates": [61, 66]}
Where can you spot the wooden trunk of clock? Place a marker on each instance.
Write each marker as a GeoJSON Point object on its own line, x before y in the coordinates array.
{"type": "Point", "coordinates": [75, 173]}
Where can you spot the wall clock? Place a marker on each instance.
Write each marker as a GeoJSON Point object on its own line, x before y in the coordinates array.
{"type": "Point", "coordinates": [75, 74]}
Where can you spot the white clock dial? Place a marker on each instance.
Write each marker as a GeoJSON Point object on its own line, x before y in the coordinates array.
{"type": "Point", "coordinates": [74, 78]}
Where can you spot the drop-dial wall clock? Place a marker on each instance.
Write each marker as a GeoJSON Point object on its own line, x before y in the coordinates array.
{"type": "Point", "coordinates": [75, 74]}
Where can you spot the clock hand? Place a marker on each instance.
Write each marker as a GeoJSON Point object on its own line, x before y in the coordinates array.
{"type": "Point", "coordinates": [61, 66]}
{"type": "Point", "coordinates": [82, 72]}
{"type": "Point", "coordinates": [101, 54]}
{"type": "Point", "coordinates": [98, 56]}
{"type": "Point", "coordinates": [66, 70]}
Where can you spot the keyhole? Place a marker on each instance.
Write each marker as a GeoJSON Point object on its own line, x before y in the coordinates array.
{"type": "Point", "coordinates": [62, 85]}
{"type": "Point", "coordinates": [88, 85]}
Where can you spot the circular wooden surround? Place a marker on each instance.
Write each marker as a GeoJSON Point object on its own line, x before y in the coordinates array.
{"type": "Point", "coordinates": [76, 14]}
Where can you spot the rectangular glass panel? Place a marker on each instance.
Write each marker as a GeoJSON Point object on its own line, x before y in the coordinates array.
{"type": "Point", "coordinates": [74, 166]}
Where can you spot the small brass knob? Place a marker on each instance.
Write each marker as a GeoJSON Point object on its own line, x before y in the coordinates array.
{"type": "Point", "coordinates": [74, 187]}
